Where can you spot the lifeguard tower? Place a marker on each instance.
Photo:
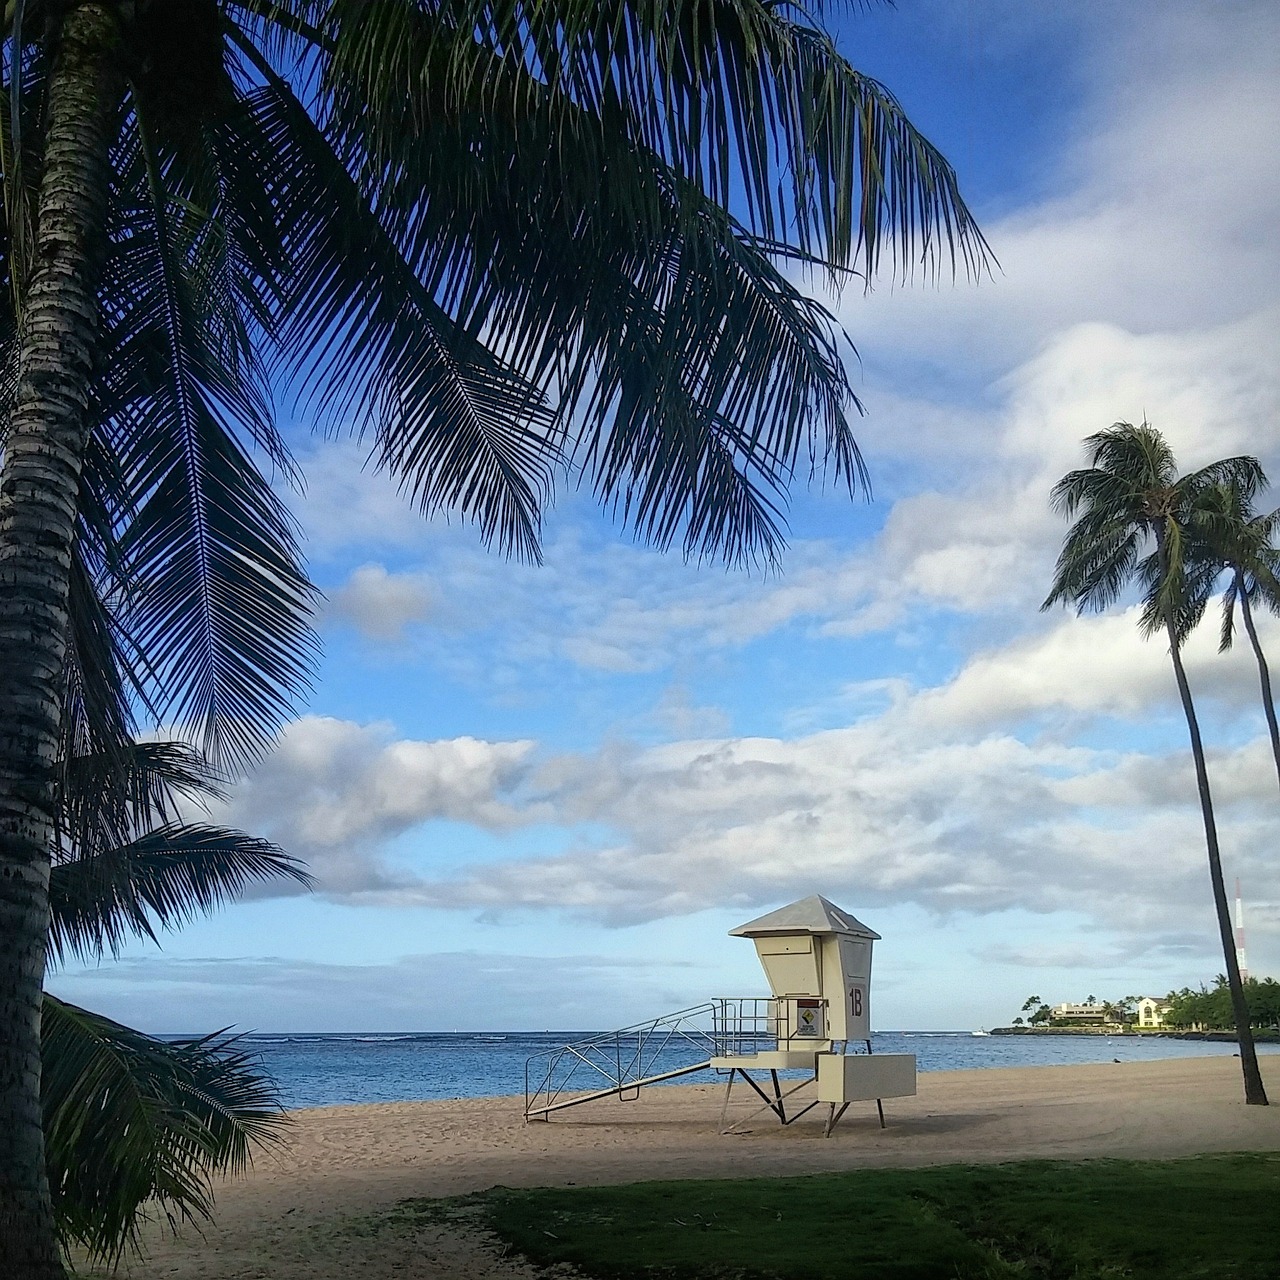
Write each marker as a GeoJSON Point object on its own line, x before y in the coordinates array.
{"type": "Point", "coordinates": [817, 959]}
{"type": "Point", "coordinates": [817, 1020]}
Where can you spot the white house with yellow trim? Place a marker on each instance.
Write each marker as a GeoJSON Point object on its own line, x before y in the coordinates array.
{"type": "Point", "coordinates": [1151, 1011]}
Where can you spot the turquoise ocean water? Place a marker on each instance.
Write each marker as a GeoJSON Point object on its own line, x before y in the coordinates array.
{"type": "Point", "coordinates": [332, 1069]}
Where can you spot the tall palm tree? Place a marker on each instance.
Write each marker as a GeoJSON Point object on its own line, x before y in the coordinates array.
{"type": "Point", "coordinates": [1131, 501]}
{"type": "Point", "coordinates": [505, 241]}
{"type": "Point", "coordinates": [1242, 542]}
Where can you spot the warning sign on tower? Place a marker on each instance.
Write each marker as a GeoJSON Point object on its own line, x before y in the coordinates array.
{"type": "Point", "coordinates": [809, 1020]}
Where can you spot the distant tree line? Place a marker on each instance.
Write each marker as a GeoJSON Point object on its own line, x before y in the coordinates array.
{"type": "Point", "coordinates": [1210, 1007]}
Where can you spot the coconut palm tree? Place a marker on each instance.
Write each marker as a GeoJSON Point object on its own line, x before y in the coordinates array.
{"type": "Point", "coordinates": [1131, 501]}
{"type": "Point", "coordinates": [133, 1124]}
{"type": "Point", "coordinates": [1242, 542]}
{"type": "Point", "coordinates": [504, 241]}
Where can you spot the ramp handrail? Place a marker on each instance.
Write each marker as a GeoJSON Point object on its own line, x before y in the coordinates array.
{"type": "Point", "coordinates": [545, 1110]}
{"type": "Point", "coordinates": [676, 1044]}
{"type": "Point", "coordinates": [618, 1061]}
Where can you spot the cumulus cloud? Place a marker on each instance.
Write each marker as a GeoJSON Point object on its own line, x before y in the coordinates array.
{"type": "Point", "coordinates": [974, 826]}
{"type": "Point", "coordinates": [1087, 667]}
{"type": "Point", "coordinates": [336, 794]}
{"type": "Point", "coordinates": [380, 604]}
{"type": "Point", "coordinates": [932, 798]}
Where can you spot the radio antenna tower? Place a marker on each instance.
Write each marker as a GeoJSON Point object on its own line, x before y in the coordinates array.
{"type": "Point", "coordinates": [1241, 960]}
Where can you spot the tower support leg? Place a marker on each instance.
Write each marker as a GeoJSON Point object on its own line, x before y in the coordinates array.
{"type": "Point", "coordinates": [833, 1119]}
{"type": "Point", "coordinates": [724, 1110]}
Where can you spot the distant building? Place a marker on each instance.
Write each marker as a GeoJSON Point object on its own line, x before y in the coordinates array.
{"type": "Point", "coordinates": [1080, 1013]}
{"type": "Point", "coordinates": [1151, 1011]}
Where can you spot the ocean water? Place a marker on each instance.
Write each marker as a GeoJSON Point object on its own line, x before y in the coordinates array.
{"type": "Point", "coordinates": [331, 1069]}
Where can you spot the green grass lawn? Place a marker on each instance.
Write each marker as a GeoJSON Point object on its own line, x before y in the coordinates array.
{"type": "Point", "coordinates": [1213, 1217]}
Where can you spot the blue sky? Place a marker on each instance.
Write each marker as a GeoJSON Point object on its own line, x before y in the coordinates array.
{"type": "Point", "coordinates": [539, 797]}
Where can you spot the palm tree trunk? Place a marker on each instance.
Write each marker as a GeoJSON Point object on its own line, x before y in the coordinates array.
{"type": "Point", "coordinates": [1264, 675]}
{"type": "Point", "coordinates": [39, 493]}
{"type": "Point", "coordinates": [1254, 1092]}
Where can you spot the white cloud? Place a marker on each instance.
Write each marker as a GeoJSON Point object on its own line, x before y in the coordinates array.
{"type": "Point", "coordinates": [931, 800]}
{"type": "Point", "coordinates": [1089, 667]}
{"type": "Point", "coordinates": [380, 604]}
{"type": "Point", "coordinates": [977, 826]}
{"type": "Point", "coordinates": [348, 503]}
{"type": "Point", "coordinates": [336, 793]}
{"type": "Point", "coordinates": [1162, 212]}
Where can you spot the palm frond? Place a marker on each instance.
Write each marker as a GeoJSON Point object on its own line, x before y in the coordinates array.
{"type": "Point", "coordinates": [158, 880]}
{"type": "Point", "coordinates": [136, 1126]}
{"type": "Point", "coordinates": [735, 97]}
{"type": "Point", "coordinates": [218, 600]}
{"type": "Point", "coordinates": [1232, 536]}
{"type": "Point", "coordinates": [1227, 633]}
{"type": "Point", "coordinates": [109, 796]}
{"type": "Point", "coordinates": [370, 346]}
{"type": "Point", "coordinates": [670, 341]}
{"type": "Point", "coordinates": [1242, 476]}
{"type": "Point", "coordinates": [1130, 499]}
{"type": "Point", "coordinates": [1175, 589]}
{"type": "Point", "coordinates": [98, 713]}
{"type": "Point", "coordinates": [1097, 561]}
{"type": "Point", "coordinates": [1138, 456]}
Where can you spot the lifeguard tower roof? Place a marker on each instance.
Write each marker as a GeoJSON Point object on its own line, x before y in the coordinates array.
{"type": "Point", "coordinates": [810, 915]}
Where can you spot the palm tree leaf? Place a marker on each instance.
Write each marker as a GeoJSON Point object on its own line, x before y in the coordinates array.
{"type": "Point", "coordinates": [732, 95]}
{"type": "Point", "coordinates": [659, 323]}
{"type": "Point", "coordinates": [135, 1125]}
{"type": "Point", "coordinates": [158, 880]}
{"type": "Point", "coordinates": [218, 600]}
{"type": "Point", "coordinates": [1242, 475]}
{"type": "Point", "coordinates": [1231, 536]}
{"type": "Point", "coordinates": [107, 797]}
{"type": "Point", "coordinates": [371, 347]}
{"type": "Point", "coordinates": [1131, 496]}
{"type": "Point", "coordinates": [97, 707]}
{"type": "Point", "coordinates": [1227, 634]}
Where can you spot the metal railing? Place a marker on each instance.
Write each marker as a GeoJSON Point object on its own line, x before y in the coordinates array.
{"type": "Point", "coordinates": [615, 1063]}
{"type": "Point", "coordinates": [756, 1024]}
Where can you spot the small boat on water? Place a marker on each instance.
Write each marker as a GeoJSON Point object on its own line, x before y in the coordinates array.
{"type": "Point", "coordinates": [981, 1031]}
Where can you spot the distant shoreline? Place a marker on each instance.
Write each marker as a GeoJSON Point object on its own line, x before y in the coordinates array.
{"type": "Point", "coordinates": [1218, 1037]}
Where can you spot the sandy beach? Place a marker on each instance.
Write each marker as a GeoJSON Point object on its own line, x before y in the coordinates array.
{"type": "Point", "coordinates": [304, 1211]}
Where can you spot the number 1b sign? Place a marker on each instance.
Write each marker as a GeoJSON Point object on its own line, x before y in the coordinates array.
{"type": "Point", "coordinates": [859, 1013]}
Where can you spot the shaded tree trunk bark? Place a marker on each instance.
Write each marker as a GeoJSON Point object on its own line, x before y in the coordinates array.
{"type": "Point", "coordinates": [39, 496]}
{"type": "Point", "coordinates": [1254, 1092]}
{"type": "Point", "coordinates": [1264, 673]}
